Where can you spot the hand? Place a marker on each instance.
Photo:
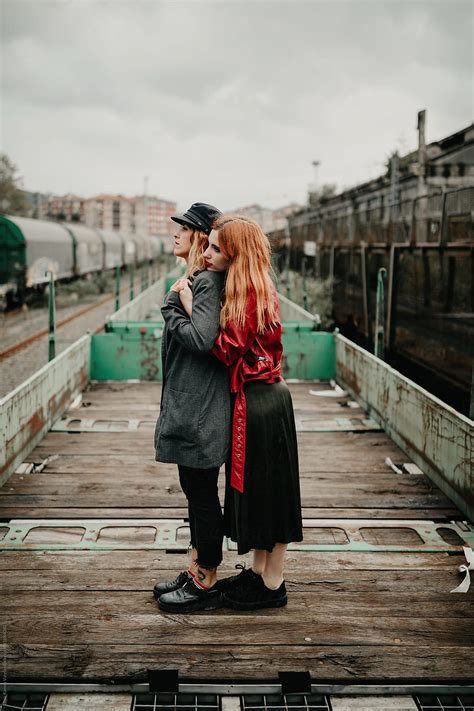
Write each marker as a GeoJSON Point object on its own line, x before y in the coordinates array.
{"type": "Point", "coordinates": [179, 284]}
{"type": "Point", "coordinates": [186, 298]}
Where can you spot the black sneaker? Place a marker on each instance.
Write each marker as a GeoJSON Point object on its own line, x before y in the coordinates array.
{"type": "Point", "coordinates": [190, 598]}
{"type": "Point", "coordinates": [162, 588]}
{"type": "Point", "coordinates": [253, 594]}
{"type": "Point", "coordinates": [234, 581]}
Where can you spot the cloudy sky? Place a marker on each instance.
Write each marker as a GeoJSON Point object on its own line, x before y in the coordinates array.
{"type": "Point", "coordinates": [226, 101]}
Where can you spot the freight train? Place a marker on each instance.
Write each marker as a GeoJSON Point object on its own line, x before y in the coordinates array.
{"type": "Point", "coordinates": [426, 246]}
{"type": "Point", "coordinates": [30, 248]}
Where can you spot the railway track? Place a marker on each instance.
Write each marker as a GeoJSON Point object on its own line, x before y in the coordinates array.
{"type": "Point", "coordinates": [23, 357]}
{"type": "Point", "coordinates": [25, 342]}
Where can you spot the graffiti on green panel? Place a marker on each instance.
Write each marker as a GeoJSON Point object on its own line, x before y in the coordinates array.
{"type": "Point", "coordinates": [133, 351]}
{"type": "Point", "coordinates": [126, 356]}
{"type": "Point", "coordinates": [307, 354]}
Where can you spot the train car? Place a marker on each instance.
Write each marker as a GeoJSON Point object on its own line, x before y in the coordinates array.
{"type": "Point", "coordinates": [112, 248]}
{"type": "Point", "coordinates": [129, 249]}
{"type": "Point", "coordinates": [156, 246]}
{"type": "Point", "coordinates": [143, 248]}
{"type": "Point", "coordinates": [88, 249]}
{"type": "Point", "coordinates": [28, 249]}
{"type": "Point", "coordinates": [426, 247]}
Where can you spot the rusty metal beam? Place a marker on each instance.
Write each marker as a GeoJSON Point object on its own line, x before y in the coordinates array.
{"type": "Point", "coordinates": [435, 436]}
{"type": "Point", "coordinates": [28, 412]}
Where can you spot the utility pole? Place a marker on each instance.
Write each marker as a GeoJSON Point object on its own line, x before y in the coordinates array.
{"type": "Point", "coordinates": [421, 153]}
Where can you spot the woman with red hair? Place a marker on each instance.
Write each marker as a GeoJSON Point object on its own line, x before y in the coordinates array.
{"type": "Point", "coordinates": [262, 503]}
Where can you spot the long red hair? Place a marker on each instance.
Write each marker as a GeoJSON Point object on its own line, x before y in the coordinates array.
{"type": "Point", "coordinates": [244, 244]}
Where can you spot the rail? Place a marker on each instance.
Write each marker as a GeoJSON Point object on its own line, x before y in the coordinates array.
{"type": "Point", "coordinates": [140, 307]}
{"type": "Point", "coordinates": [436, 437]}
{"type": "Point", "coordinates": [27, 413]}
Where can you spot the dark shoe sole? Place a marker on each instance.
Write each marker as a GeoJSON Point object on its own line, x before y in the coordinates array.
{"type": "Point", "coordinates": [235, 605]}
{"type": "Point", "coordinates": [199, 605]}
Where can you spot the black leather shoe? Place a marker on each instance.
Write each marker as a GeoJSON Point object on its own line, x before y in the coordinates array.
{"type": "Point", "coordinates": [191, 598]}
{"type": "Point", "coordinates": [162, 588]}
{"type": "Point", "coordinates": [253, 594]}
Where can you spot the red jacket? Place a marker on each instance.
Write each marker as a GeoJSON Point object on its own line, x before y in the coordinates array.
{"type": "Point", "coordinates": [250, 356]}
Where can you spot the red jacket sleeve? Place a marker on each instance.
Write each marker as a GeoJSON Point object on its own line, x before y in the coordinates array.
{"type": "Point", "coordinates": [233, 341]}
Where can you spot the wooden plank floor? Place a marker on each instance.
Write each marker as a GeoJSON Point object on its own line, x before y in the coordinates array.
{"type": "Point", "coordinates": [358, 617]}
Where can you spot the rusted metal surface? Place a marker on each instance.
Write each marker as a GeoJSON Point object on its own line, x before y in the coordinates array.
{"type": "Point", "coordinates": [436, 437]}
{"type": "Point", "coordinates": [320, 535]}
{"type": "Point", "coordinates": [27, 413]}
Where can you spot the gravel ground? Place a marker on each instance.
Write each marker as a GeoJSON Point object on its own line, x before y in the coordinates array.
{"type": "Point", "coordinates": [16, 327]}
{"type": "Point", "coordinates": [22, 365]}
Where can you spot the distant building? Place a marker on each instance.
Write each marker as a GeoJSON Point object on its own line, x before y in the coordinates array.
{"type": "Point", "coordinates": [281, 215]}
{"type": "Point", "coordinates": [262, 215]}
{"type": "Point", "coordinates": [152, 215]}
{"type": "Point", "coordinates": [37, 204]}
{"type": "Point", "coordinates": [45, 206]}
{"type": "Point", "coordinates": [110, 212]}
{"type": "Point", "coordinates": [268, 219]}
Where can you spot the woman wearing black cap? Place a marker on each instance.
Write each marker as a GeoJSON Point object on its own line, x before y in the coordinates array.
{"type": "Point", "coordinates": [262, 502]}
{"type": "Point", "coordinates": [193, 429]}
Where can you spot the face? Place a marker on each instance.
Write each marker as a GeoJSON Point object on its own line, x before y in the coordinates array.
{"type": "Point", "coordinates": [182, 241]}
{"type": "Point", "coordinates": [215, 261]}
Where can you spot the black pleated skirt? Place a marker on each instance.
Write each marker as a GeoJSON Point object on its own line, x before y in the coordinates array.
{"type": "Point", "coordinates": [269, 510]}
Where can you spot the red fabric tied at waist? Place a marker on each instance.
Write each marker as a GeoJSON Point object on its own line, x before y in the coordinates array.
{"type": "Point", "coordinates": [239, 422]}
{"type": "Point", "coordinates": [239, 427]}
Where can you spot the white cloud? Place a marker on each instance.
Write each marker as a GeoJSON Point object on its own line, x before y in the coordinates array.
{"type": "Point", "coordinates": [225, 101]}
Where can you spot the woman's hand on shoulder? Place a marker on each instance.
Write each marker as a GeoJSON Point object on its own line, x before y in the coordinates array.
{"type": "Point", "coordinates": [186, 298]}
{"type": "Point", "coordinates": [179, 284]}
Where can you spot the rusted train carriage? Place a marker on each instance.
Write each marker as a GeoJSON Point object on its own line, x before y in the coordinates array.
{"type": "Point", "coordinates": [426, 246]}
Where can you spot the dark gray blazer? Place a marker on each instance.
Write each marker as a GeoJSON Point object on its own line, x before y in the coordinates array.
{"type": "Point", "coordinates": [193, 428]}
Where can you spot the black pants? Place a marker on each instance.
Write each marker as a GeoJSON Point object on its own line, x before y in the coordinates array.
{"type": "Point", "coordinates": [205, 514]}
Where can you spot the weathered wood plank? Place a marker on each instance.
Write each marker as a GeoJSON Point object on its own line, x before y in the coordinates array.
{"type": "Point", "coordinates": [155, 560]}
{"type": "Point", "coordinates": [43, 510]}
{"type": "Point", "coordinates": [425, 584]}
{"type": "Point", "coordinates": [350, 616]}
{"type": "Point", "coordinates": [116, 617]}
{"type": "Point", "coordinates": [90, 702]}
{"type": "Point", "coordinates": [130, 662]}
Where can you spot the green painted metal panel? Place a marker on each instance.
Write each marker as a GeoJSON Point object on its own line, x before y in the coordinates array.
{"type": "Point", "coordinates": [145, 326]}
{"type": "Point", "coordinates": [12, 253]}
{"type": "Point", "coordinates": [170, 280]}
{"type": "Point", "coordinates": [126, 356]}
{"type": "Point", "coordinates": [132, 350]}
{"type": "Point", "coordinates": [308, 355]}
{"type": "Point", "coordinates": [171, 534]}
{"type": "Point", "coordinates": [435, 436]}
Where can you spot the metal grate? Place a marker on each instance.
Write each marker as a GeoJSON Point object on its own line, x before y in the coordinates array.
{"type": "Point", "coordinates": [13, 701]}
{"type": "Point", "coordinates": [445, 702]}
{"type": "Point", "coordinates": [175, 702]}
{"type": "Point", "coordinates": [286, 702]}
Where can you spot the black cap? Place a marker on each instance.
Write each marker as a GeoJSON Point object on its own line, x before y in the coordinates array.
{"type": "Point", "coordinates": [200, 216]}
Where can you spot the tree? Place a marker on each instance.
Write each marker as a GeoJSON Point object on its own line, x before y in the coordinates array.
{"type": "Point", "coordinates": [12, 198]}
{"type": "Point", "coordinates": [316, 197]}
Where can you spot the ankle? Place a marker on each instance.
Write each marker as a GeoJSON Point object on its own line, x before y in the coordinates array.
{"type": "Point", "coordinates": [206, 577]}
{"type": "Point", "coordinates": [272, 582]}
{"type": "Point", "coordinates": [193, 568]}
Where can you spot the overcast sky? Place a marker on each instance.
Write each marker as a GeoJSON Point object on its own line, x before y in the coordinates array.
{"type": "Point", "coordinates": [226, 101]}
